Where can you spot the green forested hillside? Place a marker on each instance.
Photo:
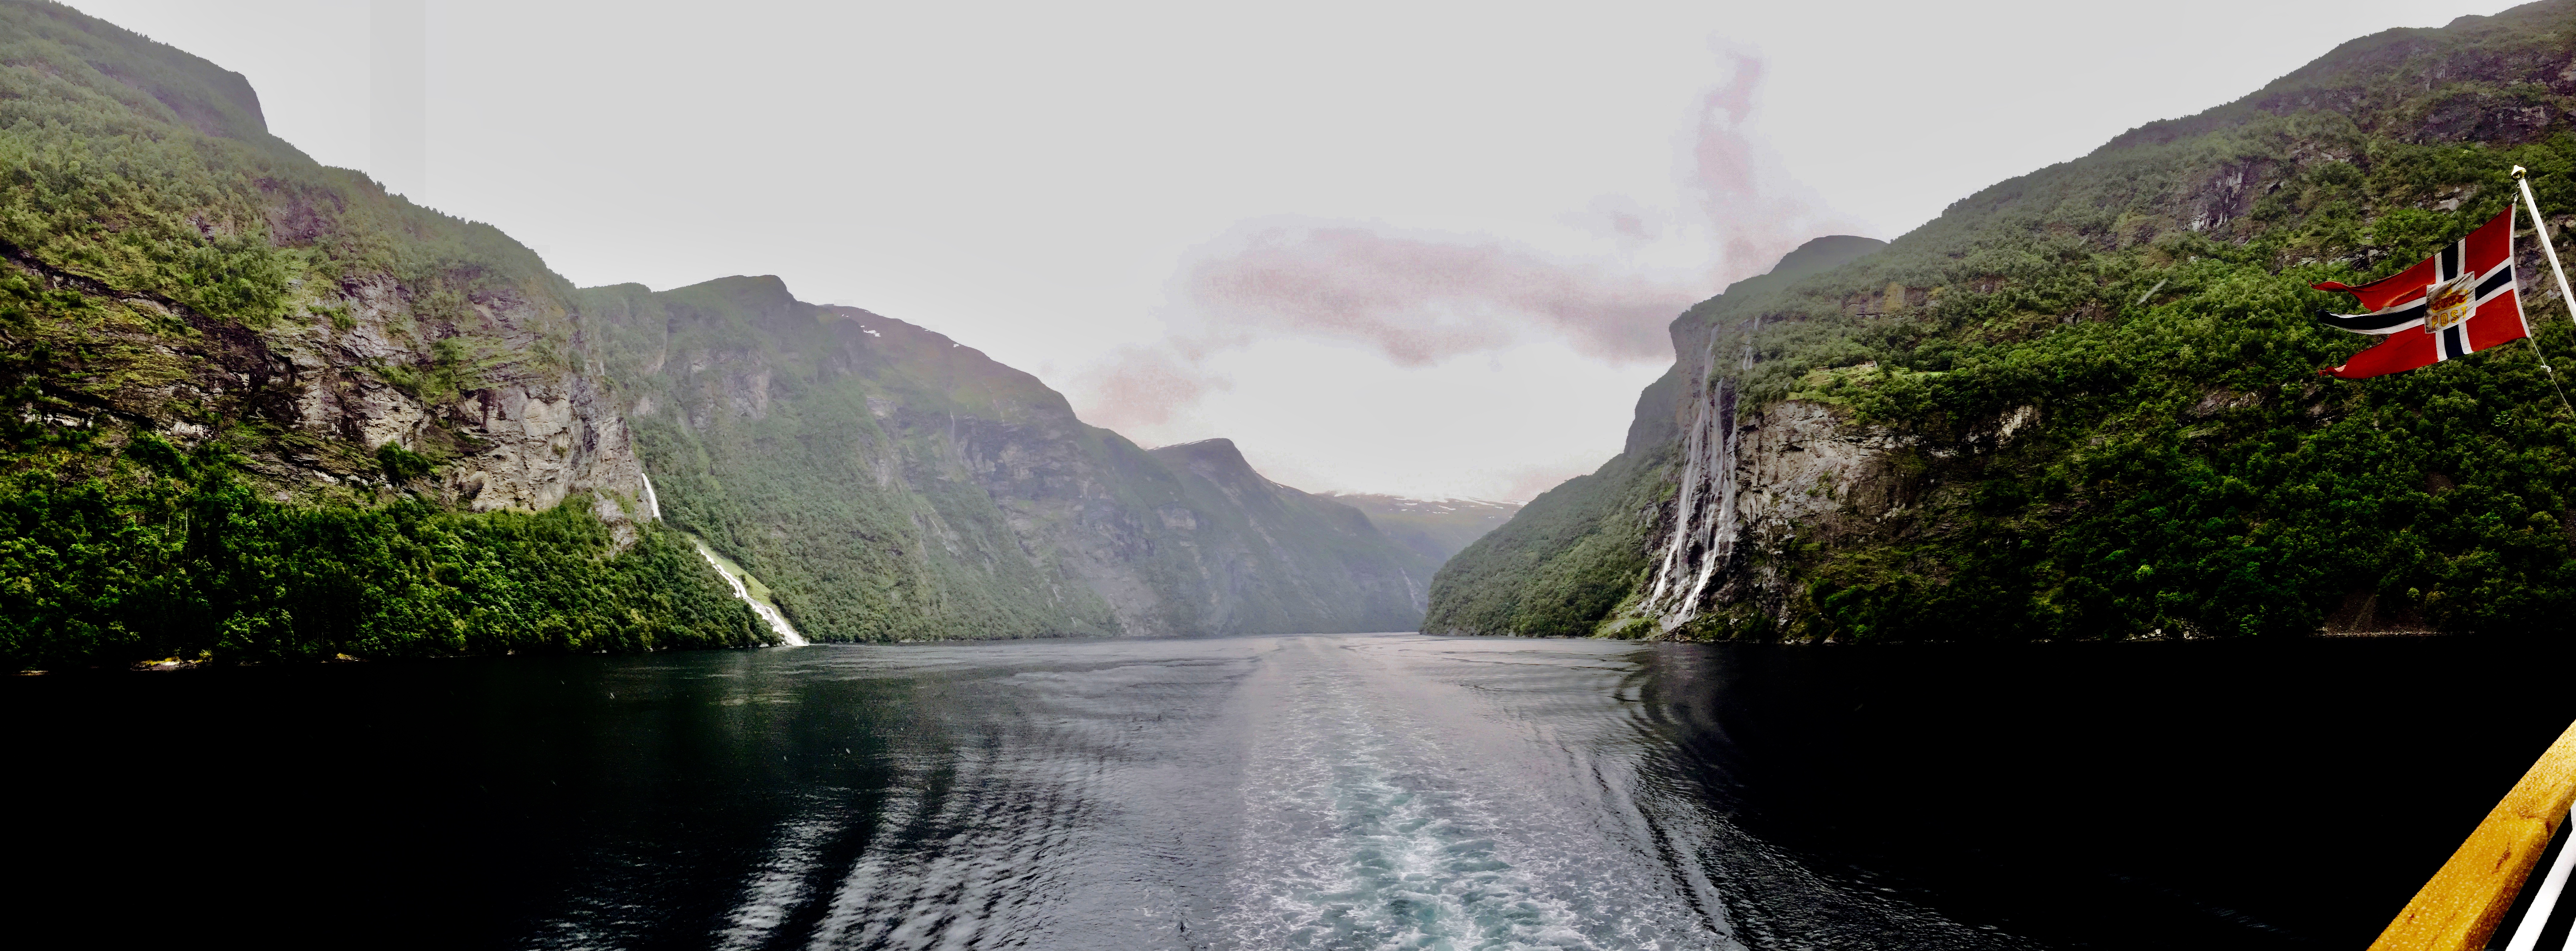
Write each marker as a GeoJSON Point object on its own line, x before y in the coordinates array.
{"type": "Point", "coordinates": [2091, 400]}
{"type": "Point", "coordinates": [242, 396]}
{"type": "Point", "coordinates": [889, 483]}
{"type": "Point", "coordinates": [752, 410]}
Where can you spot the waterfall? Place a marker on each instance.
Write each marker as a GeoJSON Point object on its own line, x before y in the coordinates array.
{"type": "Point", "coordinates": [1717, 535]}
{"type": "Point", "coordinates": [652, 503]}
{"type": "Point", "coordinates": [787, 636]}
{"type": "Point", "coordinates": [1676, 555]}
{"type": "Point", "coordinates": [1701, 543]}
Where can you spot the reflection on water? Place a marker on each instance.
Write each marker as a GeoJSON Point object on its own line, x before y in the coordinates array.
{"type": "Point", "coordinates": [1363, 791]}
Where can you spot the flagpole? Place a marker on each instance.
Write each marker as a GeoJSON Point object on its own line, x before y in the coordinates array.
{"type": "Point", "coordinates": [2540, 226]}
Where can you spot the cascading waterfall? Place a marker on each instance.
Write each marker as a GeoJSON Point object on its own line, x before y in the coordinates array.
{"type": "Point", "coordinates": [1686, 504]}
{"type": "Point", "coordinates": [787, 636]}
{"type": "Point", "coordinates": [1716, 535]}
{"type": "Point", "coordinates": [777, 622]}
{"type": "Point", "coordinates": [1701, 542]}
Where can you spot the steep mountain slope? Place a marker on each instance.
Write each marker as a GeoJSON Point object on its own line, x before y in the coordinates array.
{"type": "Point", "coordinates": [1432, 528]}
{"type": "Point", "coordinates": [1271, 558]}
{"type": "Point", "coordinates": [889, 483]}
{"type": "Point", "coordinates": [253, 402]}
{"type": "Point", "coordinates": [2083, 402]}
{"type": "Point", "coordinates": [1571, 555]}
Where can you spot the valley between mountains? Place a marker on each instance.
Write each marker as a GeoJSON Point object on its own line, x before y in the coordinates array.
{"type": "Point", "coordinates": [266, 411]}
{"type": "Point", "coordinates": [263, 411]}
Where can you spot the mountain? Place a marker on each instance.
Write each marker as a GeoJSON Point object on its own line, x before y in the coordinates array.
{"type": "Point", "coordinates": [2083, 403]}
{"type": "Point", "coordinates": [260, 410]}
{"type": "Point", "coordinates": [1432, 528]}
{"type": "Point", "coordinates": [890, 483]}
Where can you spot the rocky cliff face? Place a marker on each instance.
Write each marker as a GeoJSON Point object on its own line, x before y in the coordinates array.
{"type": "Point", "coordinates": [257, 410]}
{"type": "Point", "coordinates": [322, 400]}
{"type": "Point", "coordinates": [889, 483]}
{"type": "Point", "coordinates": [1754, 483]}
{"type": "Point", "coordinates": [1641, 545]}
{"type": "Point", "coordinates": [494, 392]}
{"type": "Point", "coordinates": [297, 311]}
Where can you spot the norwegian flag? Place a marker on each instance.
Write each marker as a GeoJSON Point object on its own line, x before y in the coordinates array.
{"type": "Point", "coordinates": [2458, 302]}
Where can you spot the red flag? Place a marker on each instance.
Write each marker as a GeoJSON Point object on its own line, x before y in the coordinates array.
{"type": "Point", "coordinates": [2457, 302]}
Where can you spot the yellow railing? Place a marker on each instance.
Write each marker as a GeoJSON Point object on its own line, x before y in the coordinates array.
{"type": "Point", "coordinates": [2464, 902]}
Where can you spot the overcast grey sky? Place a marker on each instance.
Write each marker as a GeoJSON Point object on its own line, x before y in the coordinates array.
{"type": "Point", "coordinates": [1414, 248]}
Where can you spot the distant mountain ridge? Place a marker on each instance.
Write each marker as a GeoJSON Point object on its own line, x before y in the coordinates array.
{"type": "Point", "coordinates": [890, 483]}
{"type": "Point", "coordinates": [1432, 528]}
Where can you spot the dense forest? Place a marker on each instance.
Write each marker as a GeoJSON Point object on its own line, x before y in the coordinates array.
{"type": "Point", "coordinates": [2094, 391]}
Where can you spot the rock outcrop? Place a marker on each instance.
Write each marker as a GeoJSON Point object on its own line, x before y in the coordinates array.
{"type": "Point", "coordinates": [256, 410]}
{"type": "Point", "coordinates": [315, 320]}
{"type": "Point", "coordinates": [523, 425]}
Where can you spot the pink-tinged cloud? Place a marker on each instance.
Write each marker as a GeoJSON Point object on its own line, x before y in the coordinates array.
{"type": "Point", "coordinates": [1420, 301]}
{"type": "Point", "coordinates": [1143, 387]}
{"type": "Point", "coordinates": [1755, 215]}
{"type": "Point", "coordinates": [1528, 481]}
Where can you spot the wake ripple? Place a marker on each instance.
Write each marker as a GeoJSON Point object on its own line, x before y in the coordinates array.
{"type": "Point", "coordinates": [1368, 828]}
{"type": "Point", "coordinates": [1308, 792]}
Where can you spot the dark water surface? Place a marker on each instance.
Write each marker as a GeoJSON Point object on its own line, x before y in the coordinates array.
{"type": "Point", "coordinates": [1356, 791]}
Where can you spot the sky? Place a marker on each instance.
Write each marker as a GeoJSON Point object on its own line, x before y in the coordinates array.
{"type": "Point", "coordinates": [1426, 249]}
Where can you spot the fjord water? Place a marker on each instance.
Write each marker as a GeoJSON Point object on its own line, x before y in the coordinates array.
{"type": "Point", "coordinates": [1349, 791]}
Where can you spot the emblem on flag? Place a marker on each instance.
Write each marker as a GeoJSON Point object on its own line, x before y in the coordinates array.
{"type": "Point", "coordinates": [2453, 301]}
{"type": "Point", "coordinates": [2464, 299]}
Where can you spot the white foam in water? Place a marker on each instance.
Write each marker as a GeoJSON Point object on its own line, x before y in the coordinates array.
{"type": "Point", "coordinates": [1373, 826]}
